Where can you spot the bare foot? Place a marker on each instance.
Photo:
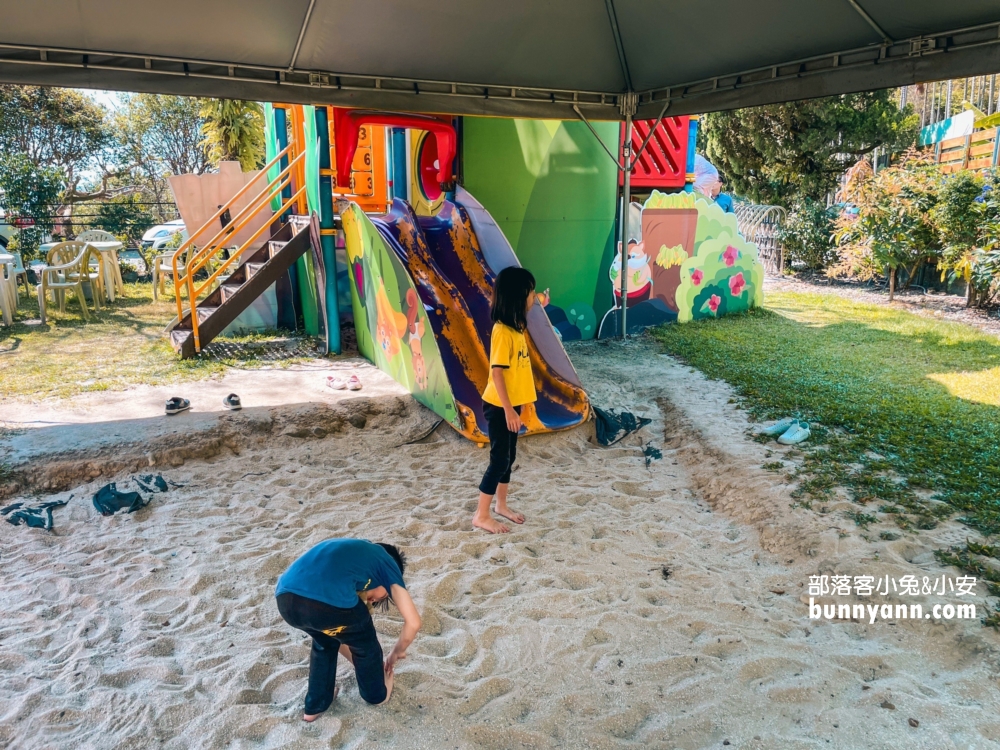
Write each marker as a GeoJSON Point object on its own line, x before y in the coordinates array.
{"type": "Point", "coordinates": [488, 524]}
{"type": "Point", "coordinates": [509, 514]}
{"type": "Point", "coordinates": [312, 717]}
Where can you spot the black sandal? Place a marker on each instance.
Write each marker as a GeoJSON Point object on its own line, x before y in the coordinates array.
{"type": "Point", "coordinates": [176, 405]}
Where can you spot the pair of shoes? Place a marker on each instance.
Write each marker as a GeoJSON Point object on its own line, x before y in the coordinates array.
{"type": "Point", "coordinates": [352, 383]}
{"type": "Point", "coordinates": [789, 431]}
{"type": "Point", "coordinates": [177, 404]}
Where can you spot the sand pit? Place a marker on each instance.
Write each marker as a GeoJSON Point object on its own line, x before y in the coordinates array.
{"type": "Point", "coordinates": [653, 606]}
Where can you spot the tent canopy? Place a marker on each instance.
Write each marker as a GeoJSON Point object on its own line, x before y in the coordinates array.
{"type": "Point", "coordinates": [521, 58]}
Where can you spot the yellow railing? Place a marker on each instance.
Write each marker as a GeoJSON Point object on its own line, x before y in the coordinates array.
{"type": "Point", "coordinates": [200, 258]}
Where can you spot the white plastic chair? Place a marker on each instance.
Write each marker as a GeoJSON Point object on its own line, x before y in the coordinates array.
{"type": "Point", "coordinates": [20, 271]}
{"type": "Point", "coordinates": [68, 268]}
{"type": "Point", "coordinates": [114, 271]}
{"type": "Point", "coordinates": [8, 290]}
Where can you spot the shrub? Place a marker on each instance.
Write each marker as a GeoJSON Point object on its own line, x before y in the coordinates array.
{"type": "Point", "coordinates": [968, 221]}
{"type": "Point", "coordinates": [893, 226]}
{"type": "Point", "coordinates": [807, 235]}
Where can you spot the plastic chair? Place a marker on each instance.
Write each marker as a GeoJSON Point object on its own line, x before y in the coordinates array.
{"type": "Point", "coordinates": [68, 267]}
{"type": "Point", "coordinates": [163, 269]}
{"type": "Point", "coordinates": [8, 291]}
{"type": "Point", "coordinates": [20, 271]}
{"type": "Point", "coordinates": [110, 258]}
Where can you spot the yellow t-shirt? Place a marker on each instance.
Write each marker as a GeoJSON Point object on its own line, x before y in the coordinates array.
{"type": "Point", "coordinates": [509, 350]}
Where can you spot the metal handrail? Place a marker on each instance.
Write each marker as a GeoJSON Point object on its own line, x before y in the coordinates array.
{"type": "Point", "coordinates": [201, 257]}
{"type": "Point", "coordinates": [193, 294]}
{"type": "Point", "coordinates": [235, 256]}
{"type": "Point", "coordinates": [186, 245]}
{"type": "Point", "coordinates": [241, 219]}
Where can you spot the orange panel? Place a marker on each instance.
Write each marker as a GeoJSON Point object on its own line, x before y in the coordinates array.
{"type": "Point", "coordinates": [362, 160]}
{"type": "Point", "coordinates": [369, 182]}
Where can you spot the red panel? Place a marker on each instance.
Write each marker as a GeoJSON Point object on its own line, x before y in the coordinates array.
{"type": "Point", "coordinates": [347, 122]}
{"type": "Point", "coordinates": [429, 168]}
{"type": "Point", "coordinates": [664, 162]}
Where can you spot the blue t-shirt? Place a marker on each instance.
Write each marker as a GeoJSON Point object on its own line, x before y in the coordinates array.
{"type": "Point", "coordinates": [334, 571]}
{"type": "Point", "coordinates": [724, 202]}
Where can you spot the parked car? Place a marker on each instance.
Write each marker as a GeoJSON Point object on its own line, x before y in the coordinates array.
{"type": "Point", "coordinates": [156, 237]}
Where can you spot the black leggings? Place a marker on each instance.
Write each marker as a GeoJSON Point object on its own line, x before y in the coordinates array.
{"type": "Point", "coordinates": [503, 448]}
{"type": "Point", "coordinates": [330, 627]}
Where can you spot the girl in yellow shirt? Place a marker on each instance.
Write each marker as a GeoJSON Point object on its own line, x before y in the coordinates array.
{"type": "Point", "coordinates": [511, 385]}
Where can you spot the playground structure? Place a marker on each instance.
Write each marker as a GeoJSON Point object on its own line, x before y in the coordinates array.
{"type": "Point", "coordinates": [358, 216]}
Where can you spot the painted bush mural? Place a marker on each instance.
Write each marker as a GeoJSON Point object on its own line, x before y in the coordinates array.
{"type": "Point", "coordinates": [690, 263]}
{"type": "Point", "coordinates": [724, 275]}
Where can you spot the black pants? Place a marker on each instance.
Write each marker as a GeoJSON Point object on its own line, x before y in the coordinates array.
{"type": "Point", "coordinates": [503, 448]}
{"type": "Point", "coordinates": [330, 627]}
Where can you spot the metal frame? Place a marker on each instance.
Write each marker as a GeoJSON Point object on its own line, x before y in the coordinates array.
{"type": "Point", "coordinates": [749, 219]}
{"type": "Point", "coordinates": [939, 56]}
{"type": "Point", "coordinates": [899, 62]}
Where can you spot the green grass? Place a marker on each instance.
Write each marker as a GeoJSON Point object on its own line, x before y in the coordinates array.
{"type": "Point", "coordinates": [903, 404]}
{"type": "Point", "coordinates": [905, 410]}
{"type": "Point", "coordinates": [122, 345]}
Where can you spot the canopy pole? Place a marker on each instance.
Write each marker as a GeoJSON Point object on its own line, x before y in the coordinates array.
{"type": "Point", "coordinates": [652, 130]}
{"type": "Point", "coordinates": [886, 39]}
{"type": "Point", "coordinates": [603, 144]}
{"type": "Point", "coordinates": [629, 106]}
{"type": "Point", "coordinates": [302, 35]}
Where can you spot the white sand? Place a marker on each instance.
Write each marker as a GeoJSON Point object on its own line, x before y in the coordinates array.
{"type": "Point", "coordinates": [160, 629]}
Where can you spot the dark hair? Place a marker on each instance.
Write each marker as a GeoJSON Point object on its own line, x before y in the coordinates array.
{"type": "Point", "coordinates": [510, 297]}
{"type": "Point", "coordinates": [396, 555]}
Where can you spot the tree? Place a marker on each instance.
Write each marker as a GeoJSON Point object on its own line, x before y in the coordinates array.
{"type": "Point", "coordinates": [894, 224]}
{"type": "Point", "coordinates": [968, 220]}
{"type": "Point", "coordinates": [155, 137]}
{"type": "Point", "coordinates": [784, 153]}
{"type": "Point", "coordinates": [29, 191]}
{"type": "Point", "coordinates": [161, 135]}
{"type": "Point", "coordinates": [58, 128]}
{"type": "Point", "coordinates": [233, 131]}
{"type": "Point", "coordinates": [125, 217]}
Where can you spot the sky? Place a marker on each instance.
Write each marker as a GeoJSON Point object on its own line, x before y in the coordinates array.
{"type": "Point", "coordinates": [107, 99]}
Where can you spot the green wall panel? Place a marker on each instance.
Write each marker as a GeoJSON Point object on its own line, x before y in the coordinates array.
{"type": "Point", "coordinates": [552, 189]}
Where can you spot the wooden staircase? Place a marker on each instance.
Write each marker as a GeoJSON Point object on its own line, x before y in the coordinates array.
{"type": "Point", "coordinates": [233, 277]}
{"type": "Point", "coordinates": [252, 277]}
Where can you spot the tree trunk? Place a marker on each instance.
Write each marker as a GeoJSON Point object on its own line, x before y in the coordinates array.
{"type": "Point", "coordinates": [911, 274]}
{"type": "Point", "coordinates": [970, 294]}
{"type": "Point", "coordinates": [892, 283]}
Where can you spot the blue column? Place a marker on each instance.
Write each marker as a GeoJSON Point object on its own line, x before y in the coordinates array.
{"type": "Point", "coordinates": [400, 187]}
{"type": "Point", "coordinates": [327, 237]}
{"type": "Point", "coordinates": [281, 131]}
{"type": "Point", "coordinates": [692, 146]}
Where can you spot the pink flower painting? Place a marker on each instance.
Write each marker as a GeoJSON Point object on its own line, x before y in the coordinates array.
{"type": "Point", "coordinates": [736, 284]}
{"type": "Point", "coordinates": [730, 255]}
{"type": "Point", "coordinates": [697, 276]}
{"type": "Point", "coordinates": [713, 302]}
